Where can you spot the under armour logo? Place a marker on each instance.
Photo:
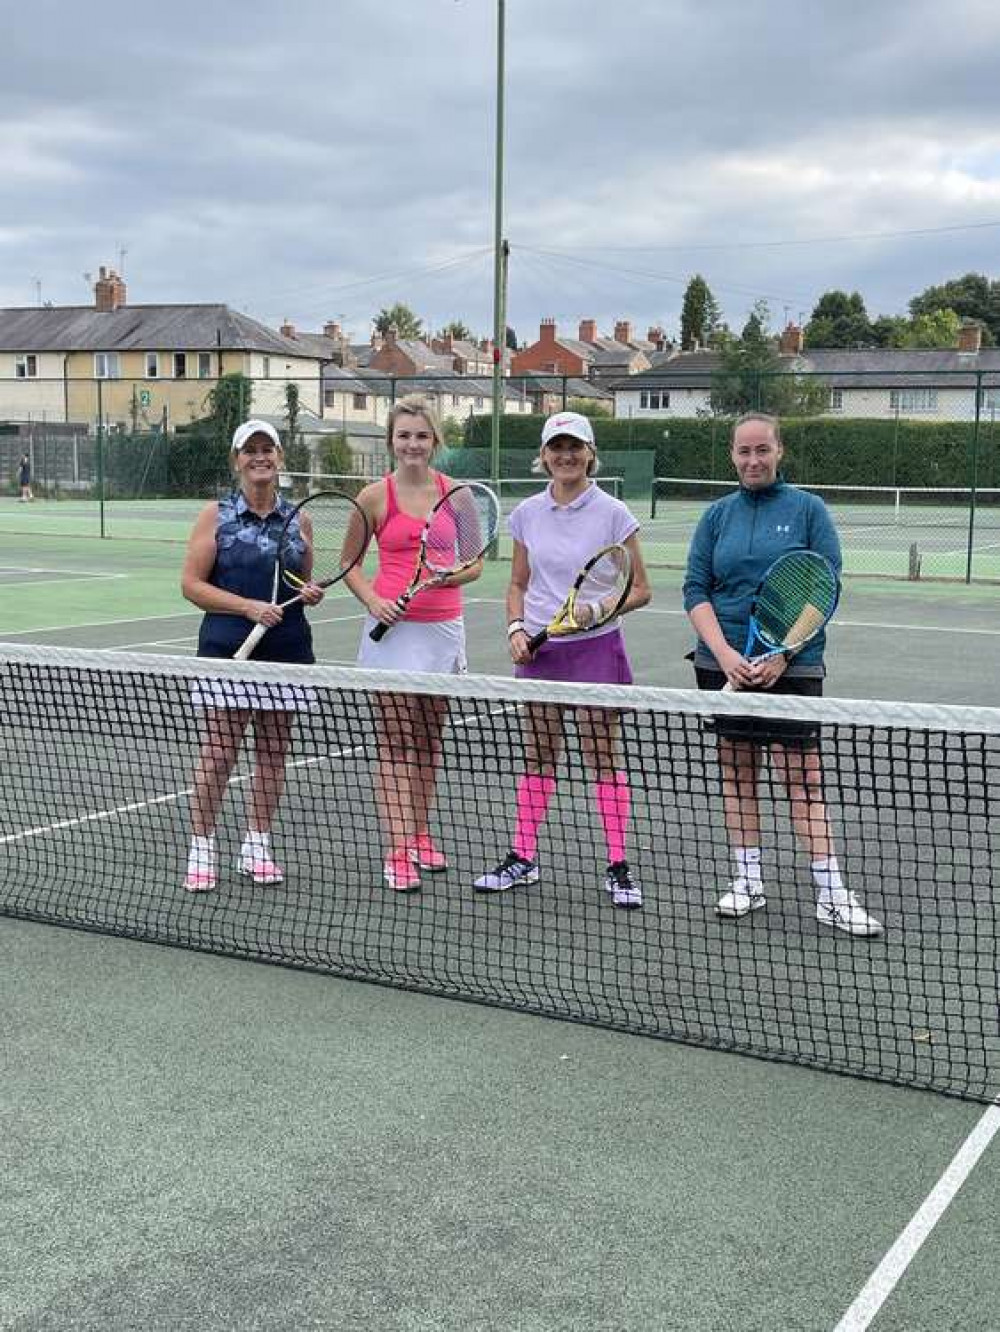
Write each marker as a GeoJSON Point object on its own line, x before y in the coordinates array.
{"type": "Point", "coordinates": [787, 527]}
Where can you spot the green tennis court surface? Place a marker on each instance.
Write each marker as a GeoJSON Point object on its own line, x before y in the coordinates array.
{"type": "Point", "coordinates": [254, 1147]}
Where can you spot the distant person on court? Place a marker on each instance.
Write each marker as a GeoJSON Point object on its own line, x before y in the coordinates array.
{"type": "Point", "coordinates": [555, 533]}
{"type": "Point", "coordinates": [24, 479]}
{"type": "Point", "coordinates": [736, 541]}
{"type": "Point", "coordinates": [229, 574]}
{"type": "Point", "coordinates": [428, 636]}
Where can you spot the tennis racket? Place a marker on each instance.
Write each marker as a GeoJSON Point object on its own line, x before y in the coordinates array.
{"type": "Point", "coordinates": [796, 598]}
{"type": "Point", "coordinates": [322, 539]}
{"type": "Point", "coordinates": [595, 598]}
{"type": "Point", "coordinates": [459, 530]}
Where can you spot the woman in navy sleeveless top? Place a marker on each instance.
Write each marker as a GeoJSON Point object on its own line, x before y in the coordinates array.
{"type": "Point", "coordinates": [229, 574]}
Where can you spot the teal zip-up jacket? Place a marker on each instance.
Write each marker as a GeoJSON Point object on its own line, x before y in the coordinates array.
{"type": "Point", "coordinates": [737, 539]}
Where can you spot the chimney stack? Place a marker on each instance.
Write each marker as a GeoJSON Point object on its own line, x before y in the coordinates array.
{"type": "Point", "coordinates": [791, 341]}
{"type": "Point", "coordinates": [588, 330]}
{"type": "Point", "coordinates": [109, 291]}
{"type": "Point", "coordinates": [623, 331]}
{"type": "Point", "coordinates": [332, 330]}
{"type": "Point", "coordinates": [970, 338]}
{"type": "Point", "coordinates": [287, 330]}
{"type": "Point", "coordinates": [547, 331]}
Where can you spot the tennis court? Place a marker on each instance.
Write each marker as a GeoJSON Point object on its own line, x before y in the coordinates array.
{"type": "Point", "coordinates": [259, 1147]}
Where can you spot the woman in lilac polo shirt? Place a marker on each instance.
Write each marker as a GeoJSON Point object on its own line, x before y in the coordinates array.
{"type": "Point", "coordinates": [555, 533]}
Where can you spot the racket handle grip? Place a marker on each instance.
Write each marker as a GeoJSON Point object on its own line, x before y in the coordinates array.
{"type": "Point", "coordinates": [536, 640]}
{"type": "Point", "coordinates": [379, 632]}
{"type": "Point", "coordinates": [242, 653]}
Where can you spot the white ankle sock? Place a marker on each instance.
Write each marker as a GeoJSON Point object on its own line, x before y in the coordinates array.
{"type": "Point", "coordinates": [826, 874]}
{"type": "Point", "coordinates": [201, 856]}
{"type": "Point", "coordinates": [256, 845]}
{"type": "Point", "coordinates": [748, 864]}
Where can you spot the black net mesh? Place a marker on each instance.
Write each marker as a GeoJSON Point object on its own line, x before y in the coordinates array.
{"type": "Point", "coordinates": [100, 748]}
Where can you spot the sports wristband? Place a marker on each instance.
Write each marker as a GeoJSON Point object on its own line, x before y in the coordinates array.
{"type": "Point", "coordinates": [515, 627]}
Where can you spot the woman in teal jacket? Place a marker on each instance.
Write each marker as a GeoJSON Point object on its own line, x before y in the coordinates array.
{"type": "Point", "coordinates": [736, 541]}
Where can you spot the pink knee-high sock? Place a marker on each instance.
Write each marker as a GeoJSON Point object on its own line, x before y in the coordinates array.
{"type": "Point", "coordinates": [533, 796]}
{"type": "Point", "coordinates": [614, 804]}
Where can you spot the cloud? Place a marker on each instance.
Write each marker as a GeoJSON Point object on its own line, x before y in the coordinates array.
{"type": "Point", "coordinates": [291, 161]}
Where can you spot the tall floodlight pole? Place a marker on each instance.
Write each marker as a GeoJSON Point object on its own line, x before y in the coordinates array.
{"type": "Point", "coordinates": [499, 262]}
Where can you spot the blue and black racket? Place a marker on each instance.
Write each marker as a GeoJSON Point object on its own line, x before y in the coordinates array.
{"type": "Point", "coordinates": [795, 600]}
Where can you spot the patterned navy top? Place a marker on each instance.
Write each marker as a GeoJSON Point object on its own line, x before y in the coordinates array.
{"type": "Point", "coordinates": [246, 547]}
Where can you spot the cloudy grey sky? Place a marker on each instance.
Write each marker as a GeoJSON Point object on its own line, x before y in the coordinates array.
{"type": "Point", "coordinates": [321, 159]}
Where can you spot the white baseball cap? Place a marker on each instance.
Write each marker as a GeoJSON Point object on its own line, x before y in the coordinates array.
{"type": "Point", "coordinates": [568, 423]}
{"type": "Point", "coordinates": [249, 428]}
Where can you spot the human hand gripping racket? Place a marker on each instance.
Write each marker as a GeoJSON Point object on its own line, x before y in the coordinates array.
{"type": "Point", "coordinates": [796, 598]}
{"type": "Point", "coordinates": [597, 595]}
{"type": "Point", "coordinates": [322, 539]}
{"type": "Point", "coordinates": [459, 530]}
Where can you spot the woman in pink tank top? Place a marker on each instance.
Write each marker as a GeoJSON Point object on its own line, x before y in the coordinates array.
{"type": "Point", "coordinates": [428, 636]}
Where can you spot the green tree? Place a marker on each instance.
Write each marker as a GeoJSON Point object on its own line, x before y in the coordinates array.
{"type": "Point", "coordinates": [402, 319]}
{"type": "Point", "coordinates": [938, 328]}
{"type": "Point", "coordinates": [335, 456]}
{"type": "Point", "coordinates": [972, 296]}
{"type": "Point", "coordinates": [228, 405]}
{"type": "Point", "coordinates": [750, 378]}
{"type": "Point", "coordinates": [699, 315]}
{"type": "Point", "coordinates": [459, 331]}
{"type": "Point", "coordinates": [453, 431]}
{"type": "Point", "coordinates": [510, 338]}
{"type": "Point", "coordinates": [889, 330]}
{"type": "Point", "coordinates": [296, 449]}
{"type": "Point", "coordinates": [839, 320]}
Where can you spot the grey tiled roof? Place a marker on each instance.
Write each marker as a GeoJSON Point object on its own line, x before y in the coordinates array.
{"type": "Point", "coordinates": [140, 328]}
{"type": "Point", "coordinates": [888, 367]}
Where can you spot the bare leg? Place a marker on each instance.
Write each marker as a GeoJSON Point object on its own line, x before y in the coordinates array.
{"type": "Point", "coordinates": [394, 772]}
{"type": "Point", "coordinates": [272, 733]}
{"type": "Point", "coordinates": [740, 761]}
{"type": "Point", "coordinates": [224, 729]}
{"type": "Point", "coordinates": [427, 721]}
{"type": "Point", "coordinates": [802, 775]}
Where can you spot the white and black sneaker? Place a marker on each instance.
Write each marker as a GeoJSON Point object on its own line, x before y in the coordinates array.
{"type": "Point", "coordinates": [514, 869]}
{"type": "Point", "coordinates": [621, 887]}
{"type": "Point", "coordinates": [742, 897]}
{"type": "Point", "coordinates": [843, 911]}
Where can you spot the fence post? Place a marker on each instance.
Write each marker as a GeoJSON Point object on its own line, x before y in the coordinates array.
{"type": "Point", "coordinates": [100, 456]}
{"type": "Point", "coordinates": [974, 475]}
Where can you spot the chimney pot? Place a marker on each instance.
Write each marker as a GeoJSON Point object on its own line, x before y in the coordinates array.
{"type": "Point", "coordinates": [623, 331]}
{"type": "Point", "coordinates": [588, 330]}
{"type": "Point", "coordinates": [970, 338]}
{"type": "Point", "coordinates": [791, 341]}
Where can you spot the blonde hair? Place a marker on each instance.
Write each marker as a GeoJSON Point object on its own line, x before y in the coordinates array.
{"type": "Point", "coordinates": [414, 405]}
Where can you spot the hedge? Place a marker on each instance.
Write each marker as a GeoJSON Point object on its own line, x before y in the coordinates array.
{"type": "Point", "coordinates": [819, 450]}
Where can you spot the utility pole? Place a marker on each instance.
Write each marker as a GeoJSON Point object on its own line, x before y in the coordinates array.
{"type": "Point", "coordinates": [499, 260]}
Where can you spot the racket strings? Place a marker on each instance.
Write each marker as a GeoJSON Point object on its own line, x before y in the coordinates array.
{"type": "Point", "coordinates": [798, 597]}
{"type": "Point", "coordinates": [603, 586]}
{"type": "Point", "coordinates": [464, 524]}
{"type": "Point", "coordinates": [339, 535]}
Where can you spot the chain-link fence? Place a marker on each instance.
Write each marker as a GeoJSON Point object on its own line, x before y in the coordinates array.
{"type": "Point", "coordinates": [909, 464]}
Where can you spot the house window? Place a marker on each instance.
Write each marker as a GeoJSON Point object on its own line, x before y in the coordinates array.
{"type": "Point", "coordinates": [479, 404]}
{"type": "Point", "coordinates": [454, 400]}
{"type": "Point", "coordinates": [329, 397]}
{"type": "Point", "coordinates": [654, 400]}
{"type": "Point", "coordinates": [106, 365]}
{"type": "Point", "coordinates": [152, 365]}
{"type": "Point", "coordinates": [836, 400]}
{"type": "Point", "coordinates": [26, 367]}
{"type": "Point", "coordinates": [913, 400]}
{"type": "Point", "coordinates": [991, 401]}
{"type": "Point", "coordinates": [180, 365]}
{"type": "Point", "coordinates": [204, 365]}
{"type": "Point", "coordinates": [360, 401]}
{"type": "Point", "coordinates": [267, 367]}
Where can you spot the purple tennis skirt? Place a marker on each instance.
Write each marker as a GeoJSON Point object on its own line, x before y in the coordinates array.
{"type": "Point", "coordinates": [594, 660]}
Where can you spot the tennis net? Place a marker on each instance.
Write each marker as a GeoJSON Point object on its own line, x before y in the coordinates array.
{"type": "Point", "coordinates": [99, 750]}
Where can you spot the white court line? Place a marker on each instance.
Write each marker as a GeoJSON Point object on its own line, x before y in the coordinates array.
{"type": "Point", "coordinates": [100, 624]}
{"type": "Point", "coordinates": [838, 623]}
{"type": "Point", "coordinates": [189, 638]}
{"type": "Point", "coordinates": [99, 815]}
{"type": "Point", "coordinates": [890, 1270]}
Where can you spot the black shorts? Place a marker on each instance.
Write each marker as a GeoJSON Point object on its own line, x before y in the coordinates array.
{"type": "Point", "coordinates": [767, 730]}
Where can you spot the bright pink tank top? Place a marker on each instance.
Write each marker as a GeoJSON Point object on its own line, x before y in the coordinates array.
{"type": "Point", "coordinates": [398, 538]}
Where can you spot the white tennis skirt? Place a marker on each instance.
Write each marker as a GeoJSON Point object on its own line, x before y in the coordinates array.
{"type": "Point", "coordinates": [253, 695]}
{"type": "Point", "coordinates": [413, 645]}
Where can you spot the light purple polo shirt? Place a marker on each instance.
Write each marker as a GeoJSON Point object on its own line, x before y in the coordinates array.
{"type": "Point", "coordinates": [560, 539]}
